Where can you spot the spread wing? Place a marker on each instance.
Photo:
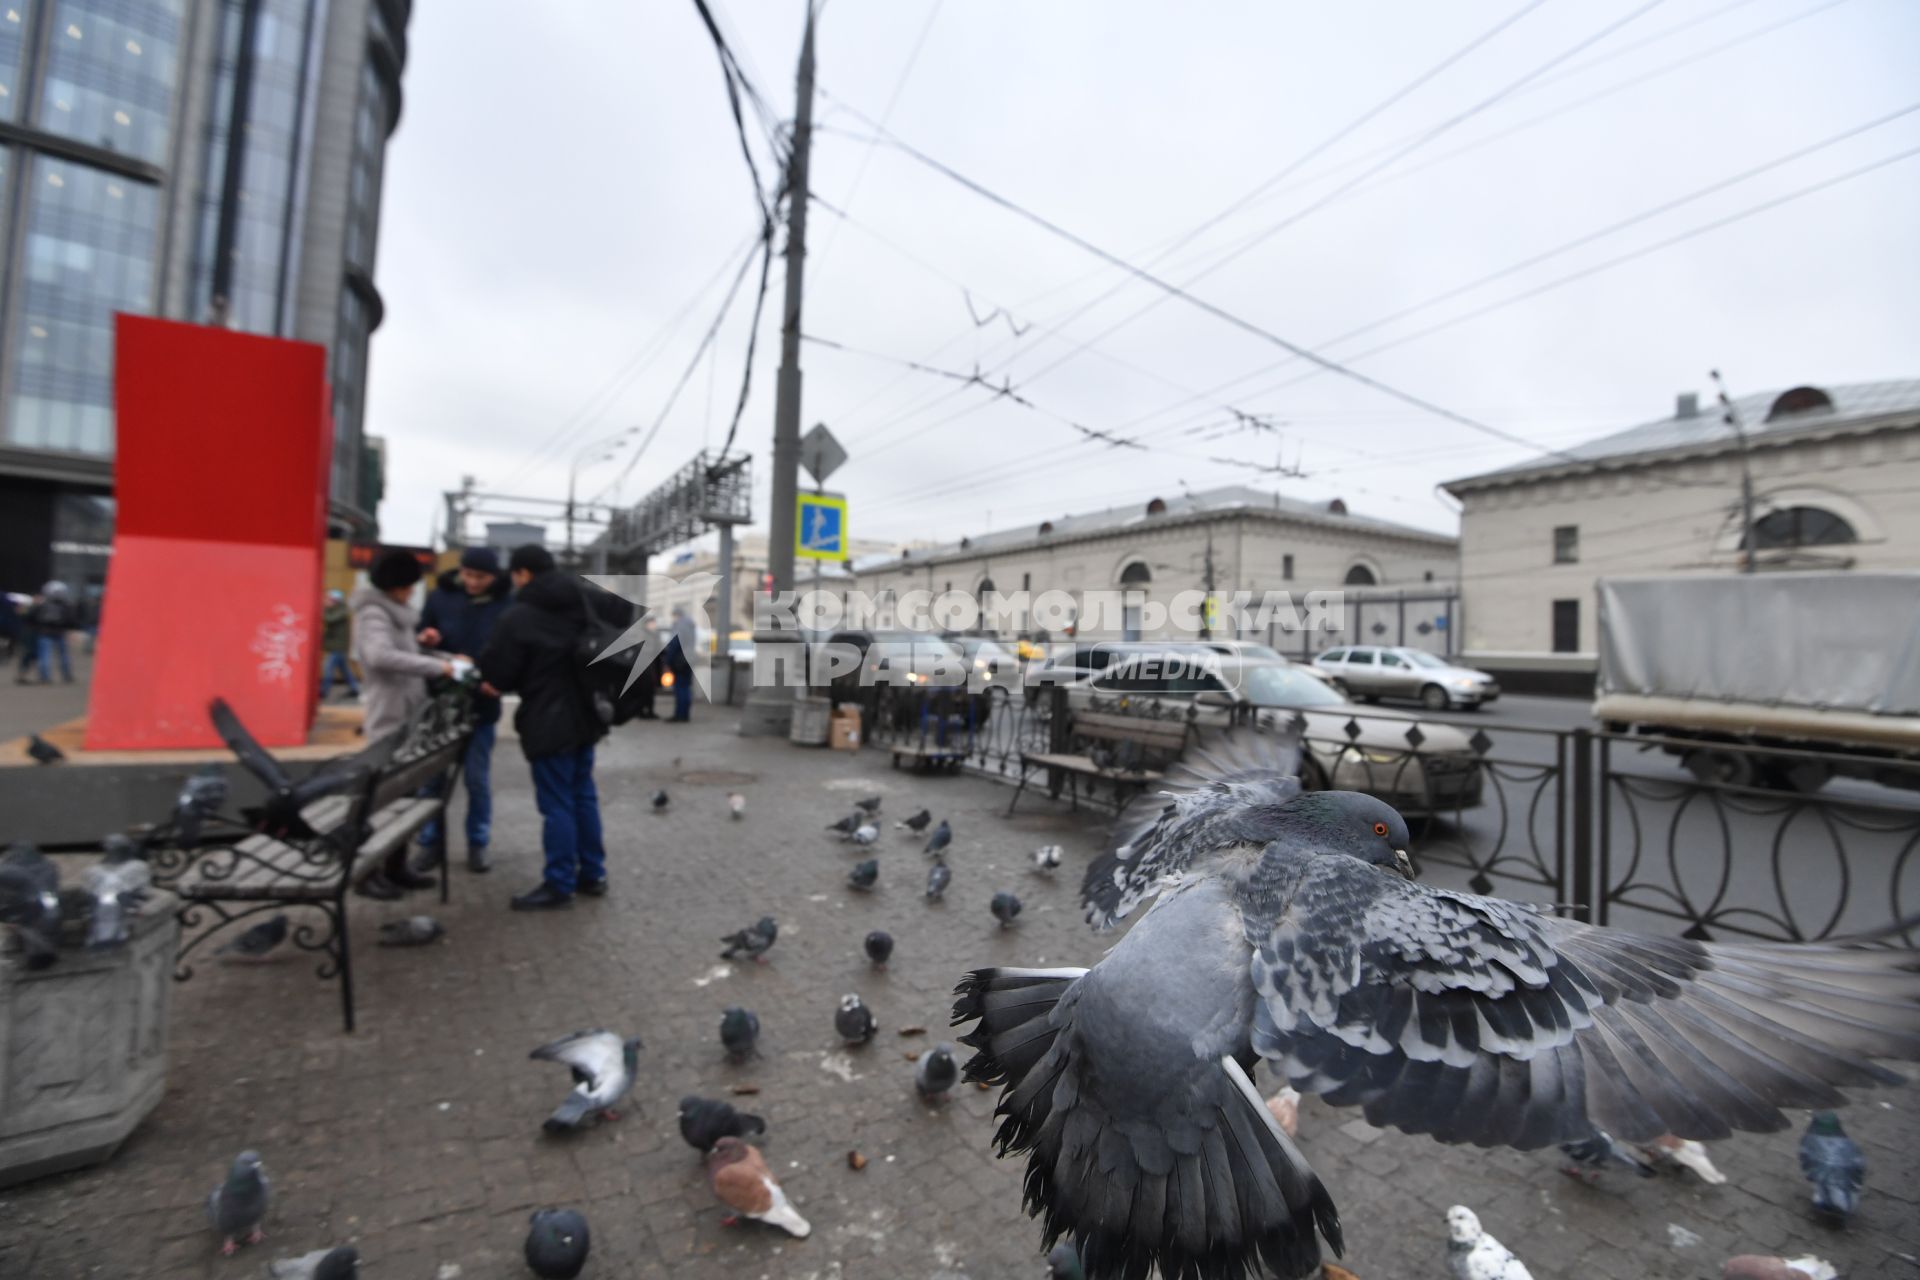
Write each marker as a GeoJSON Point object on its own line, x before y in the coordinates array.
{"type": "Point", "coordinates": [240, 740]}
{"type": "Point", "coordinates": [1221, 796]}
{"type": "Point", "coordinates": [1477, 1020]}
{"type": "Point", "coordinates": [595, 1055]}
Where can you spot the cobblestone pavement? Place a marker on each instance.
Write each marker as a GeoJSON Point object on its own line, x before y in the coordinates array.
{"type": "Point", "coordinates": [418, 1138]}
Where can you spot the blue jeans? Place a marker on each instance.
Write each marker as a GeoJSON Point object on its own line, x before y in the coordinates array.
{"type": "Point", "coordinates": [50, 644]}
{"type": "Point", "coordinates": [476, 770]}
{"type": "Point", "coordinates": [682, 691]}
{"type": "Point", "coordinates": [570, 813]}
{"type": "Point", "coordinates": [338, 662]}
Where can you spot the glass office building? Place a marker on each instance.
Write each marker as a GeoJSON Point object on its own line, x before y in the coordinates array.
{"type": "Point", "coordinates": [122, 189]}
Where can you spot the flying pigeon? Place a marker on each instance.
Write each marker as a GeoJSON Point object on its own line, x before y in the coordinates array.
{"type": "Point", "coordinates": [237, 1206]}
{"type": "Point", "coordinates": [30, 901]}
{"type": "Point", "coordinates": [201, 796]}
{"type": "Point", "coordinates": [1046, 859]}
{"type": "Point", "coordinates": [865, 874]}
{"type": "Point", "coordinates": [879, 947]}
{"type": "Point", "coordinates": [865, 834]}
{"type": "Point", "coordinates": [869, 805]}
{"type": "Point", "coordinates": [258, 940]}
{"type": "Point", "coordinates": [752, 940]}
{"type": "Point", "coordinates": [1063, 1263]}
{"type": "Point", "coordinates": [1288, 929]}
{"type": "Point", "coordinates": [1284, 1106]}
{"type": "Point", "coordinates": [942, 837]}
{"type": "Point", "coordinates": [704, 1121]}
{"type": "Point", "coordinates": [847, 825]}
{"type": "Point", "coordinates": [1749, 1266]}
{"type": "Point", "coordinates": [1832, 1162]}
{"type": "Point", "coordinates": [736, 804]}
{"type": "Point", "coordinates": [1472, 1254]}
{"type": "Point", "coordinates": [660, 800]}
{"type": "Point", "coordinates": [280, 815]}
{"type": "Point", "coordinates": [936, 1072]}
{"type": "Point", "coordinates": [118, 884]}
{"type": "Point", "coordinates": [414, 931]}
{"type": "Point", "coordinates": [938, 878]}
{"type": "Point", "coordinates": [738, 1175]}
{"type": "Point", "coordinates": [1592, 1154]}
{"type": "Point", "coordinates": [342, 1263]}
{"type": "Point", "coordinates": [602, 1064]}
{"type": "Point", "coordinates": [557, 1244]}
{"type": "Point", "coordinates": [916, 824]}
{"type": "Point", "coordinates": [1686, 1153]}
{"type": "Point", "coordinates": [853, 1020]}
{"type": "Point", "coordinates": [1004, 907]}
{"type": "Point", "coordinates": [43, 751]}
{"type": "Point", "coordinates": [739, 1031]}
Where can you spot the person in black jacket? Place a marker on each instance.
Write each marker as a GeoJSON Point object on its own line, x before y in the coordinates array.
{"type": "Point", "coordinates": [534, 652]}
{"type": "Point", "coordinates": [459, 618]}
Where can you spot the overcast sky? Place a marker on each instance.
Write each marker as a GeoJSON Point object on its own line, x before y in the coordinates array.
{"type": "Point", "coordinates": [565, 201]}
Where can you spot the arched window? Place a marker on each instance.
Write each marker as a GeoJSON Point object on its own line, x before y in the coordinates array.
{"type": "Point", "coordinates": [1136, 574]}
{"type": "Point", "coordinates": [1361, 576]}
{"type": "Point", "coordinates": [986, 585]}
{"type": "Point", "coordinates": [1800, 527]}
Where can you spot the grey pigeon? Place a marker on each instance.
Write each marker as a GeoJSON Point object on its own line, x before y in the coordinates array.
{"type": "Point", "coordinates": [30, 902]}
{"type": "Point", "coordinates": [864, 874]}
{"type": "Point", "coordinates": [603, 1066]}
{"type": "Point", "coordinates": [868, 805]}
{"type": "Point", "coordinates": [259, 940]}
{"type": "Point", "coordinates": [847, 825]}
{"type": "Point", "coordinates": [1472, 1254]}
{"type": "Point", "coordinates": [937, 1071]}
{"type": "Point", "coordinates": [661, 800]}
{"type": "Point", "coordinates": [1046, 859]}
{"type": "Point", "coordinates": [942, 837]}
{"type": "Point", "coordinates": [879, 946]}
{"type": "Point", "coordinates": [1287, 928]}
{"type": "Point", "coordinates": [916, 824]}
{"type": "Point", "coordinates": [739, 1032]}
{"type": "Point", "coordinates": [1063, 1263]}
{"type": "Point", "coordinates": [201, 796]}
{"type": "Point", "coordinates": [939, 876]}
{"type": "Point", "coordinates": [43, 751]}
{"type": "Point", "coordinates": [117, 885]}
{"type": "Point", "coordinates": [237, 1206]}
{"type": "Point", "coordinates": [557, 1244]}
{"type": "Point", "coordinates": [280, 816]}
{"type": "Point", "coordinates": [853, 1020]}
{"type": "Point", "coordinates": [704, 1121]}
{"type": "Point", "coordinates": [1832, 1162]}
{"type": "Point", "coordinates": [1591, 1156]}
{"type": "Point", "coordinates": [414, 931]}
{"type": "Point", "coordinates": [865, 834]}
{"type": "Point", "coordinates": [752, 940]}
{"type": "Point", "coordinates": [1004, 907]}
{"type": "Point", "coordinates": [342, 1263]}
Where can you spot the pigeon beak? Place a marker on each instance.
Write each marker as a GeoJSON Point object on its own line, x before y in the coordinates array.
{"type": "Point", "coordinates": [1403, 863]}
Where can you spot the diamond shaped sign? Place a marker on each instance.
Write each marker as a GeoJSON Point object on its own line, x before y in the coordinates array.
{"type": "Point", "coordinates": [820, 453]}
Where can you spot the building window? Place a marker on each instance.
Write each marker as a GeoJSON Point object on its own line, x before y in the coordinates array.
{"type": "Point", "coordinates": [1566, 626]}
{"type": "Point", "coordinates": [1361, 576]}
{"type": "Point", "coordinates": [986, 586]}
{"type": "Point", "coordinates": [1427, 576]}
{"type": "Point", "coordinates": [1026, 582]}
{"type": "Point", "coordinates": [1136, 573]}
{"type": "Point", "coordinates": [13, 38]}
{"type": "Point", "coordinates": [1286, 567]}
{"type": "Point", "coordinates": [1566, 544]}
{"type": "Point", "coordinates": [1800, 527]}
{"type": "Point", "coordinates": [110, 73]}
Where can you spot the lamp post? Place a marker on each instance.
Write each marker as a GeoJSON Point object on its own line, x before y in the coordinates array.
{"type": "Point", "coordinates": [586, 458]}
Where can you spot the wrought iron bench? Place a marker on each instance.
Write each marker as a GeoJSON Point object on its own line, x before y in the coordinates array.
{"type": "Point", "coordinates": [1126, 752]}
{"type": "Point", "coordinates": [394, 788]}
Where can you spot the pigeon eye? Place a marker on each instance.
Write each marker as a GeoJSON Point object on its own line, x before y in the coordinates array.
{"type": "Point", "coordinates": [1379, 828]}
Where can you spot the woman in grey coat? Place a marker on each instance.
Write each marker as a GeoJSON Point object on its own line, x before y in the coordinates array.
{"type": "Point", "coordinates": [393, 685]}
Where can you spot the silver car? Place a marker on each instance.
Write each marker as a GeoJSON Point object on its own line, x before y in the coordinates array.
{"type": "Point", "coordinates": [1370, 672]}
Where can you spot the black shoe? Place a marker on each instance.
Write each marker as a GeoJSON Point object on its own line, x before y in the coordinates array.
{"type": "Point", "coordinates": [477, 860]}
{"type": "Point", "coordinates": [544, 898]}
{"type": "Point", "coordinates": [427, 861]}
{"type": "Point", "coordinates": [407, 878]}
{"type": "Point", "coordinates": [592, 888]}
{"type": "Point", "coordinates": [378, 886]}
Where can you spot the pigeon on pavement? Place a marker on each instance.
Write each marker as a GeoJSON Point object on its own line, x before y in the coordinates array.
{"type": "Point", "coordinates": [1063, 1263]}
{"type": "Point", "coordinates": [661, 800]}
{"type": "Point", "coordinates": [865, 834]}
{"type": "Point", "coordinates": [1287, 928]}
{"type": "Point", "coordinates": [1684, 1152]}
{"type": "Point", "coordinates": [1004, 907]}
{"type": "Point", "coordinates": [853, 1020]}
{"type": "Point", "coordinates": [736, 804]}
{"type": "Point", "coordinates": [118, 884]}
{"type": "Point", "coordinates": [602, 1064]}
{"type": "Point", "coordinates": [1749, 1266]}
{"type": "Point", "coordinates": [238, 1205]}
{"type": "Point", "coordinates": [704, 1121]}
{"type": "Point", "coordinates": [754, 940]}
{"type": "Point", "coordinates": [43, 751]}
{"type": "Point", "coordinates": [937, 1071]}
{"type": "Point", "coordinates": [414, 931]}
{"type": "Point", "coordinates": [1592, 1154]}
{"type": "Point", "coordinates": [1472, 1254]}
{"type": "Point", "coordinates": [864, 874]}
{"type": "Point", "coordinates": [201, 796]}
{"type": "Point", "coordinates": [942, 837]}
{"type": "Point", "coordinates": [30, 902]}
{"type": "Point", "coordinates": [879, 946]}
{"type": "Point", "coordinates": [739, 1032]}
{"type": "Point", "coordinates": [1046, 859]}
{"type": "Point", "coordinates": [868, 805]}
{"type": "Point", "coordinates": [258, 940]}
{"type": "Point", "coordinates": [847, 825]}
{"type": "Point", "coordinates": [740, 1180]}
{"type": "Point", "coordinates": [938, 878]}
{"type": "Point", "coordinates": [342, 1263]}
{"type": "Point", "coordinates": [1832, 1162]}
{"type": "Point", "coordinates": [916, 824]}
{"type": "Point", "coordinates": [557, 1244]}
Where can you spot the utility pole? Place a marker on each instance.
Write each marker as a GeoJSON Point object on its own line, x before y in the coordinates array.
{"type": "Point", "coordinates": [1732, 417]}
{"type": "Point", "coordinates": [1206, 606]}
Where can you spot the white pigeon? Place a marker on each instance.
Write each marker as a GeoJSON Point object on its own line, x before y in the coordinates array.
{"type": "Point", "coordinates": [1686, 1153]}
{"type": "Point", "coordinates": [736, 803]}
{"type": "Point", "coordinates": [865, 833]}
{"type": "Point", "coordinates": [1472, 1254]}
{"type": "Point", "coordinates": [1046, 858]}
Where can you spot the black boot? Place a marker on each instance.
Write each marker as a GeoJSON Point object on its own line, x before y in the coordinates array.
{"type": "Point", "coordinates": [399, 873]}
{"type": "Point", "coordinates": [544, 898]}
{"type": "Point", "coordinates": [378, 886]}
{"type": "Point", "coordinates": [478, 860]}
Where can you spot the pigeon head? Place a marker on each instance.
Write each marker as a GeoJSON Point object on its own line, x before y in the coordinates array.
{"type": "Point", "coordinates": [849, 1002]}
{"type": "Point", "coordinates": [339, 1264]}
{"type": "Point", "coordinates": [246, 1165]}
{"type": "Point", "coordinates": [119, 848]}
{"type": "Point", "coordinates": [1463, 1225]}
{"type": "Point", "coordinates": [1825, 1123]}
{"type": "Point", "coordinates": [767, 927]}
{"type": "Point", "coordinates": [630, 1052]}
{"type": "Point", "coordinates": [1358, 825]}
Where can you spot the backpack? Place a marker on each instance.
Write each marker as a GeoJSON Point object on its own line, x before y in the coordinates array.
{"type": "Point", "coordinates": [604, 679]}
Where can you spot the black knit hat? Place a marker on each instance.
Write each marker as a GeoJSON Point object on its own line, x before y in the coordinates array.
{"type": "Point", "coordinates": [533, 557]}
{"type": "Point", "coordinates": [483, 559]}
{"type": "Point", "coordinates": [395, 568]}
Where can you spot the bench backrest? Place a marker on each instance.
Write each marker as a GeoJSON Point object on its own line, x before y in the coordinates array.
{"type": "Point", "coordinates": [1163, 735]}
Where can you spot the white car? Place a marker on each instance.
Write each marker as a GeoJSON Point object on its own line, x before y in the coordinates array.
{"type": "Point", "coordinates": [1371, 672]}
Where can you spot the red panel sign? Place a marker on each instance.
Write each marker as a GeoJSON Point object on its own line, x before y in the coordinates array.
{"type": "Point", "coordinates": [214, 588]}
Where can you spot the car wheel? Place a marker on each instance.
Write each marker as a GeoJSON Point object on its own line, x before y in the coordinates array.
{"type": "Point", "coordinates": [1434, 698]}
{"type": "Point", "coordinates": [1312, 776]}
{"type": "Point", "coordinates": [1371, 699]}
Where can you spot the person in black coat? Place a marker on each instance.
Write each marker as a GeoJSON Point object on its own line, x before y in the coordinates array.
{"type": "Point", "coordinates": [534, 652]}
{"type": "Point", "coordinates": [459, 618]}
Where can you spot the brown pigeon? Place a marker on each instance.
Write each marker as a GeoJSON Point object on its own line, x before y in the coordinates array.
{"type": "Point", "coordinates": [738, 1174]}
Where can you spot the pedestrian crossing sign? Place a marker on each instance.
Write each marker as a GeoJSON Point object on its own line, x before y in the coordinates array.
{"type": "Point", "coordinates": [820, 527]}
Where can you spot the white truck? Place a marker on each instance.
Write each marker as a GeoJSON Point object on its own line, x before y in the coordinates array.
{"type": "Point", "coordinates": [1824, 668]}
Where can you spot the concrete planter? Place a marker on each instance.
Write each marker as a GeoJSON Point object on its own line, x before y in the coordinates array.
{"type": "Point", "coordinates": [83, 1048]}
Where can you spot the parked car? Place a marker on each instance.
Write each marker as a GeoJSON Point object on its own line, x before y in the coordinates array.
{"type": "Point", "coordinates": [912, 660]}
{"type": "Point", "coordinates": [1370, 672]}
{"type": "Point", "coordinates": [994, 666]}
{"type": "Point", "coordinates": [1265, 653]}
{"type": "Point", "coordinates": [1439, 776]}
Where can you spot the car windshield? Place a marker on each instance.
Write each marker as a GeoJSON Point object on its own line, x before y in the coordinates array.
{"type": "Point", "coordinates": [1260, 651]}
{"type": "Point", "coordinates": [1421, 658]}
{"type": "Point", "coordinates": [1277, 686]}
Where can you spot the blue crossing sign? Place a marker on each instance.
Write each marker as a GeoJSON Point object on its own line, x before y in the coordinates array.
{"type": "Point", "coordinates": [820, 527]}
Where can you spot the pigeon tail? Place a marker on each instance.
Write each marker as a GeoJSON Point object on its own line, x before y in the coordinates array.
{"type": "Point", "coordinates": [570, 1114]}
{"type": "Point", "coordinates": [1836, 1196]}
{"type": "Point", "coordinates": [783, 1215]}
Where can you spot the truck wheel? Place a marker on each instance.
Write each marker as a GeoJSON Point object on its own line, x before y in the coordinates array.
{"type": "Point", "coordinates": [1434, 698]}
{"type": "Point", "coordinates": [1720, 768]}
{"type": "Point", "coordinates": [1802, 776]}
